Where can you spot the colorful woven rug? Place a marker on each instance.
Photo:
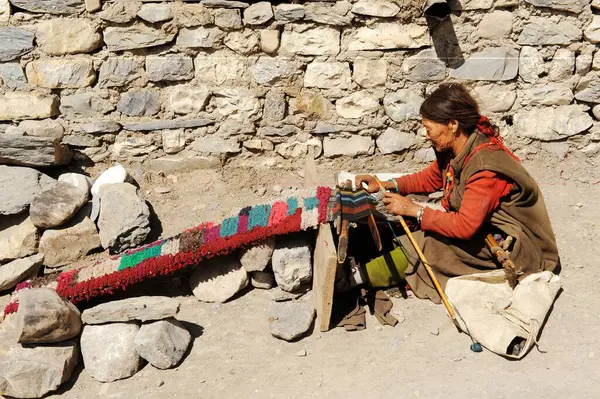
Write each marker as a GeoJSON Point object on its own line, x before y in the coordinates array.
{"type": "Point", "coordinates": [306, 210]}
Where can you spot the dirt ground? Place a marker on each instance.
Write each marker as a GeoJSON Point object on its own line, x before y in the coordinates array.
{"type": "Point", "coordinates": [234, 355]}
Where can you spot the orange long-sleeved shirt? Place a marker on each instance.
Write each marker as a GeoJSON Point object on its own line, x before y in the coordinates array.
{"type": "Point", "coordinates": [482, 196]}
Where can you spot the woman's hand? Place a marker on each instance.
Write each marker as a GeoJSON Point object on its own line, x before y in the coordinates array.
{"type": "Point", "coordinates": [399, 205]}
{"type": "Point", "coordinates": [371, 181]}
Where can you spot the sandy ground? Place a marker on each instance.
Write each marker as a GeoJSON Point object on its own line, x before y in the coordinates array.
{"type": "Point", "coordinates": [234, 355]}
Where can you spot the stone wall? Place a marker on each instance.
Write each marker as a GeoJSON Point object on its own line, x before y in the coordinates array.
{"type": "Point", "coordinates": [203, 81]}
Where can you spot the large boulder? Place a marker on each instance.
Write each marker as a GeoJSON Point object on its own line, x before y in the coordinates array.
{"type": "Point", "coordinates": [143, 308]}
{"type": "Point", "coordinates": [108, 351]}
{"type": "Point", "coordinates": [18, 237]}
{"type": "Point", "coordinates": [290, 320]}
{"type": "Point", "coordinates": [18, 270]}
{"type": "Point", "coordinates": [44, 317]}
{"type": "Point", "coordinates": [124, 220]}
{"type": "Point", "coordinates": [257, 258]}
{"type": "Point", "coordinates": [32, 151]}
{"type": "Point", "coordinates": [18, 186]}
{"type": "Point", "coordinates": [55, 205]}
{"type": "Point", "coordinates": [292, 263]}
{"type": "Point", "coordinates": [63, 246]}
{"type": "Point", "coordinates": [163, 343]}
{"type": "Point", "coordinates": [33, 371]}
{"type": "Point", "coordinates": [219, 279]}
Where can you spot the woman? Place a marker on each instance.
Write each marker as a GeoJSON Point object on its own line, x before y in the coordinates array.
{"type": "Point", "coordinates": [485, 190]}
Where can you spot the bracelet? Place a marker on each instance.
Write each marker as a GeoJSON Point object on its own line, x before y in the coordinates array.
{"type": "Point", "coordinates": [395, 183]}
{"type": "Point", "coordinates": [420, 215]}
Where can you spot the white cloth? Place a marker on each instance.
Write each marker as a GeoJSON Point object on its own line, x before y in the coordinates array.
{"type": "Point", "coordinates": [495, 315]}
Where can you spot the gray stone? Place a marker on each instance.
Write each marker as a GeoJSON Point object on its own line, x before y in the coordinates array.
{"type": "Point", "coordinates": [224, 4]}
{"type": "Point", "coordinates": [286, 130]}
{"type": "Point", "coordinates": [376, 8]}
{"type": "Point", "coordinates": [14, 42]}
{"type": "Point", "coordinates": [163, 343]}
{"type": "Point", "coordinates": [289, 12]}
{"type": "Point", "coordinates": [184, 163]}
{"type": "Point", "coordinates": [257, 258]}
{"type": "Point", "coordinates": [402, 105]}
{"type": "Point", "coordinates": [290, 320]}
{"type": "Point", "coordinates": [228, 18]}
{"type": "Point", "coordinates": [592, 31]}
{"type": "Point", "coordinates": [34, 371]}
{"type": "Point", "coordinates": [270, 70]}
{"type": "Point", "coordinates": [269, 40]}
{"type": "Point", "coordinates": [108, 351]}
{"type": "Point", "coordinates": [167, 124]}
{"type": "Point", "coordinates": [328, 75]}
{"type": "Point", "coordinates": [17, 106]}
{"type": "Point", "coordinates": [187, 99]}
{"type": "Point", "coordinates": [190, 15]}
{"type": "Point", "coordinates": [547, 94]}
{"type": "Point", "coordinates": [12, 75]}
{"type": "Point", "coordinates": [326, 128]}
{"type": "Point", "coordinates": [44, 128]}
{"type": "Point", "coordinates": [45, 318]}
{"type": "Point", "coordinates": [64, 246]}
{"type": "Point", "coordinates": [81, 140]}
{"type": "Point", "coordinates": [139, 103]}
{"type": "Point", "coordinates": [61, 74]}
{"type": "Point", "coordinates": [425, 154]}
{"type": "Point", "coordinates": [50, 6]}
{"type": "Point", "coordinates": [292, 263]}
{"type": "Point", "coordinates": [15, 200]}
{"type": "Point", "coordinates": [549, 124]}
{"type": "Point", "coordinates": [119, 71]}
{"type": "Point", "coordinates": [588, 89]}
{"type": "Point", "coordinates": [274, 107]}
{"type": "Point", "coordinates": [134, 37]}
{"type": "Point", "coordinates": [56, 204]}
{"type": "Point", "coordinates": [173, 141]}
{"type": "Point", "coordinates": [145, 308]}
{"type": "Point", "coordinates": [336, 14]}
{"type": "Point", "coordinates": [99, 127]}
{"type": "Point", "coordinates": [394, 141]}
{"type": "Point", "coordinates": [495, 98]}
{"type": "Point", "coordinates": [370, 73]}
{"type": "Point", "coordinates": [217, 280]}
{"type": "Point", "coordinates": [200, 37]}
{"type": "Point", "coordinates": [352, 146]}
{"type": "Point", "coordinates": [243, 42]}
{"type": "Point", "coordinates": [124, 220]}
{"type": "Point", "coordinates": [494, 63]}
{"type": "Point", "coordinates": [88, 104]}
{"type": "Point", "coordinates": [531, 64]}
{"type": "Point", "coordinates": [18, 270]}
{"type": "Point", "coordinates": [154, 13]}
{"type": "Point", "coordinates": [258, 13]}
{"type": "Point", "coordinates": [424, 67]}
{"type": "Point", "coordinates": [495, 25]}
{"type": "Point", "coordinates": [120, 12]}
{"type": "Point", "coordinates": [389, 36]}
{"type": "Point", "coordinates": [574, 6]}
{"type": "Point", "coordinates": [315, 41]}
{"type": "Point", "coordinates": [170, 68]}
{"type": "Point", "coordinates": [262, 280]}
{"type": "Point", "coordinates": [357, 105]}
{"type": "Point", "coordinates": [216, 145]}
{"type": "Point", "coordinates": [18, 238]}
{"type": "Point", "coordinates": [33, 151]}
{"type": "Point", "coordinates": [562, 66]}
{"type": "Point", "coordinates": [544, 31]}
{"type": "Point", "coordinates": [62, 36]}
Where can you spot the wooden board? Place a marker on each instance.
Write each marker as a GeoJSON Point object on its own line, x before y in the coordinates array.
{"type": "Point", "coordinates": [324, 268]}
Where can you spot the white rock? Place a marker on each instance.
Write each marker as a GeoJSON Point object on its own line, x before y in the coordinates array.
{"type": "Point", "coordinates": [262, 280]}
{"type": "Point", "coordinates": [588, 89]}
{"type": "Point", "coordinates": [154, 13]}
{"type": "Point", "coordinates": [269, 40]}
{"type": "Point", "coordinates": [592, 31]}
{"type": "Point", "coordinates": [223, 69]}
{"type": "Point", "coordinates": [315, 41]}
{"type": "Point", "coordinates": [402, 105]}
{"type": "Point", "coordinates": [549, 124]}
{"type": "Point", "coordinates": [341, 146]}
{"type": "Point", "coordinates": [292, 263]}
{"type": "Point", "coordinates": [493, 63]}
{"type": "Point", "coordinates": [376, 8]}
{"type": "Point", "coordinates": [257, 258]}
{"type": "Point", "coordinates": [531, 64]}
{"type": "Point", "coordinates": [495, 25]}
{"type": "Point", "coordinates": [495, 98]}
{"type": "Point", "coordinates": [162, 343]}
{"type": "Point", "coordinates": [575, 6]}
{"type": "Point", "coordinates": [43, 128]}
{"type": "Point", "coordinates": [78, 180]}
{"type": "Point", "coordinates": [297, 148]}
{"type": "Point", "coordinates": [370, 73]}
{"type": "Point", "coordinates": [258, 13]}
{"type": "Point", "coordinates": [60, 36]}
{"type": "Point", "coordinates": [545, 31]}
{"type": "Point", "coordinates": [145, 308]}
{"type": "Point", "coordinates": [108, 351]}
{"type": "Point", "coordinates": [468, 5]}
{"type": "Point", "coordinates": [114, 174]}
{"type": "Point", "coordinates": [239, 103]}
{"type": "Point", "coordinates": [187, 99]}
{"type": "Point", "coordinates": [216, 145]}
{"type": "Point", "coordinates": [328, 75]}
{"type": "Point", "coordinates": [357, 104]}
{"type": "Point", "coordinates": [219, 279]}
{"type": "Point", "coordinates": [392, 141]}
{"type": "Point", "coordinates": [388, 36]}
{"type": "Point", "coordinates": [173, 141]}
{"type": "Point", "coordinates": [18, 238]}
{"type": "Point", "coordinates": [243, 42]}
{"type": "Point", "coordinates": [547, 94]}
{"type": "Point", "coordinates": [270, 70]}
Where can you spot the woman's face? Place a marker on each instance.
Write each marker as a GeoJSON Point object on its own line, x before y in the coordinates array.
{"type": "Point", "coordinates": [440, 135]}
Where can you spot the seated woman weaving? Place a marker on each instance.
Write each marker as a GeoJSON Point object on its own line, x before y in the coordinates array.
{"type": "Point", "coordinates": [485, 190]}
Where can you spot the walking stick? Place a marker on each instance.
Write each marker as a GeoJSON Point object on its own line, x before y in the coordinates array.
{"type": "Point", "coordinates": [510, 270]}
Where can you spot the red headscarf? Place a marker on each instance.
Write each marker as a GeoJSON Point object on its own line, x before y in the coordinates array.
{"type": "Point", "coordinates": [496, 143]}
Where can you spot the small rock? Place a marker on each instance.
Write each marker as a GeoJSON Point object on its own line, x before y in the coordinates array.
{"type": "Point", "coordinates": [78, 180]}
{"type": "Point", "coordinates": [63, 246]}
{"type": "Point", "coordinates": [160, 383]}
{"type": "Point", "coordinates": [376, 8]}
{"type": "Point", "coordinates": [269, 40]}
{"type": "Point", "coordinates": [162, 190]}
{"type": "Point", "coordinates": [18, 270]}
{"type": "Point", "coordinates": [258, 13]}
{"type": "Point", "coordinates": [145, 308]}
{"type": "Point", "coordinates": [56, 205]}
{"type": "Point", "coordinates": [18, 238]}
{"type": "Point", "coordinates": [531, 64]}
{"type": "Point", "coordinates": [108, 351]}
{"type": "Point", "coordinates": [162, 343]}
{"type": "Point", "coordinates": [290, 320]}
{"type": "Point", "coordinates": [258, 257]}
{"type": "Point", "coordinates": [217, 280]}
{"type": "Point", "coordinates": [262, 280]}
{"type": "Point", "coordinates": [292, 263]}
{"type": "Point", "coordinates": [301, 353]}
{"type": "Point", "coordinates": [44, 317]}
{"type": "Point", "coordinates": [434, 331]}
{"type": "Point", "coordinates": [378, 328]}
{"type": "Point", "coordinates": [261, 191]}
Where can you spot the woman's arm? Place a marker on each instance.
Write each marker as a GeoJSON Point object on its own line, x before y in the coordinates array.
{"type": "Point", "coordinates": [427, 181]}
{"type": "Point", "coordinates": [482, 196]}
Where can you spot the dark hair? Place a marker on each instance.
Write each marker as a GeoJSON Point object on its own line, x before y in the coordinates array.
{"type": "Point", "coordinates": [452, 101]}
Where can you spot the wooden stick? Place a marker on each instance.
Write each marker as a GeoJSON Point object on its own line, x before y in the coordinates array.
{"type": "Point", "coordinates": [510, 270]}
